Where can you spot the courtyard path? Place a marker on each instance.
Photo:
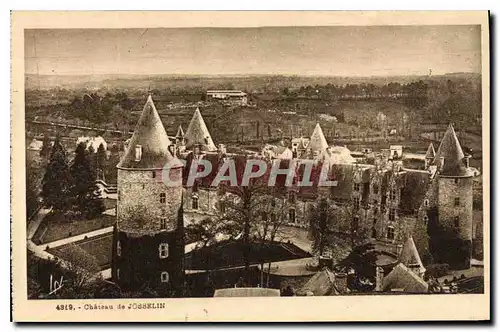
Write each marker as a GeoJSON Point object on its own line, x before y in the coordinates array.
{"type": "Point", "coordinates": [36, 221]}
{"type": "Point", "coordinates": [76, 238]}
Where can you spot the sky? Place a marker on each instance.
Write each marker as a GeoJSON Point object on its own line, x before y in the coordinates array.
{"type": "Point", "coordinates": [330, 51]}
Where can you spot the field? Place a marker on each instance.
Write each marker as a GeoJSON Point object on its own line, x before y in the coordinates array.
{"type": "Point", "coordinates": [56, 227]}
{"type": "Point", "coordinates": [99, 247]}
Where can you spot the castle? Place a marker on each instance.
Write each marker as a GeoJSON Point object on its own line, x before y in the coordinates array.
{"type": "Point", "coordinates": [382, 201]}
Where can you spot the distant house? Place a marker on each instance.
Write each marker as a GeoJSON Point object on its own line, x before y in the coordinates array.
{"type": "Point", "coordinates": [95, 142]}
{"type": "Point", "coordinates": [233, 96]}
{"type": "Point", "coordinates": [35, 145]}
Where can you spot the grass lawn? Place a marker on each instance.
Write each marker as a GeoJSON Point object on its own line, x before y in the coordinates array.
{"type": "Point", "coordinates": [109, 203]}
{"type": "Point", "coordinates": [57, 226]}
{"type": "Point", "coordinates": [100, 247]}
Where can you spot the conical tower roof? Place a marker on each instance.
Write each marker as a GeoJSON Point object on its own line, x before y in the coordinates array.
{"type": "Point", "coordinates": [151, 136]}
{"type": "Point", "coordinates": [318, 140]}
{"type": "Point", "coordinates": [409, 256]}
{"type": "Point", "coordinates": [180, 132]}
{"type": "Point", "coordinates": [451, 151]}
{"type": "Point", "coordinates": [431, 153]}
{"type": "Point", "coordinates": [198, 134]}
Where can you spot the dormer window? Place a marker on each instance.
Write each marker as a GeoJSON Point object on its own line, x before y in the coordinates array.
{"type": "Point", "coordinates": [138, 152]}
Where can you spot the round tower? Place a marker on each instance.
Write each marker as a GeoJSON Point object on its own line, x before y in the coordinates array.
{"type": "Point", "coordinates": [454, 202]}
{"type": "Point", "coordinates": [148, 248]}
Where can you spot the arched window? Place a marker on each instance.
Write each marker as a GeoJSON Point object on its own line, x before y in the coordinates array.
{"type": "Point", "coordinates": [194, 202]}
{"type": "Point", "coordinates": [164, 277]}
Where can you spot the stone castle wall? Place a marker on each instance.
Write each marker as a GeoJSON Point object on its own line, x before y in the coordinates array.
{"type": "Point", "coordinates": [139, 205]}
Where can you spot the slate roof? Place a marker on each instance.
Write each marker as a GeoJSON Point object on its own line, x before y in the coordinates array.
{"type": "Point", "coordinates": [317, 142]}
{"type": "Point", "coordinates": [198, 134]}
{"type": "Point", "coordinates": [431, 153]}
{"type": "Point", "coordinates": [451, 151]}
{"type": "Point", "coordinates": [409, 257]}
{"type": "Point", "coordinates": [321, 284]}
{"type": "Point", "coordinates": [180, 132]}
{"type": "Point", "coordinates": [401, 277]}
{"type": "Point", "coordinates": [150, 134]}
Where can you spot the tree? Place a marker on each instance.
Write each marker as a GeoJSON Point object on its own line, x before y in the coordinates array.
{"type": "Point", "coordinates": [56, 180]}
{"type": "Point", "coordinates": [101, 161]}
{"type": "Point", "coordinates": [45, 151]}
{"type": "Point", "coordinates": [84, 189]}
{"type": "Point", "coordinates": [268, 226]}
{"type": "Point", "coordinates": [33, 181]}
{"type": "Point", "coordinates": [363, 260]}
{"type": "Point", "coordinates": [81, 266]}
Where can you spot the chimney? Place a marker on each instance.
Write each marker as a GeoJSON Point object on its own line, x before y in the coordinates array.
{"type": "Point", "coordinates": [379, 279]}
{"type": "Point", "coordinates": [341, 282]}
{"type": "Point", "coordinates": [138, 152]}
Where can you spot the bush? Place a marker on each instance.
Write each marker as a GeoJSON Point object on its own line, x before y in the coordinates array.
{"type": "Point", "coordinates": [437, 270]}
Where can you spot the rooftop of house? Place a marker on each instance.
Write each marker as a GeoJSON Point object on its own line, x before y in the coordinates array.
{"type": "Point", "coordinates": [404, 279]}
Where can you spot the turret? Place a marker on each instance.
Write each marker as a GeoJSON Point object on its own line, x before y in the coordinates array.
{"type": "Point", "coordinates": [430, 155]}
{"type": "Point", "coordinates": [145, 245]}
{"type": "Point", "coordinates": [197, 134]}
{"type": "Point", "coordinates": [453, 238]}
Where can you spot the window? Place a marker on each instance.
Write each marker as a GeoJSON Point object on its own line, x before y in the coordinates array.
{"type": "Point", "coordinates": [355, 222]}
{"type": "Point", "coordinates": [291, 197]}
{"type": "Point", "coordinates": [392, 214]}
{"type": "Point", "coordinates": [457, 201]}
{"type": "Point", "coordinates": [119, 194]}
{"type": "Point", "coordinates": [426, 202]}
{"type": "Point", "coordinates": [273, 202]}
{"type": "Point", "coordinates": [356, 186]}
{"type": "Point", "coordinates": [163, 198]}
{"type": "Point", "coordinates": [426, 220]}
{"type": "Point", "coordinates": [390, 233]}
{"type": "Point", "coordinates": [153, 174]}
{"type": "Point", "coordinates": [375, 188]}
{"type": "Point", "coordinates": [222, 206]}
{"type": "Point", "coordinates": [194, 203]}
{"type": "Point", "coordinates": [374, 221]}
{"type": "Point", "coordinates": [356, 202]}
{"type": "Point", "coordinates": [393, 194]}
{"type": "Point", "coordinates": [163, 223]}
{"type": "Point", "coordinates": [117, 273]}
{"type": "Point", "coordinates": [118, 248]}
{"type": "Point", "coordinates": [164, 276]}
{"type": "Point", "coordinates": [374, 232]}
{"type": "Point", "coordinates": [291, 216]}
{"type": "Point", "coordinates": [163, 250]}
{"type": "Point", "coordinates": [457, 221]}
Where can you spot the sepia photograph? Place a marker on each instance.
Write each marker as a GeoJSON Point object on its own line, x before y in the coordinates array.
{"type": "Point", "coordinates": [345, 162]}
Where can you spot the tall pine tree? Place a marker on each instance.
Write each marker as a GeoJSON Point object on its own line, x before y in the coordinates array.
{"type": "Point", "coordinates": [101, 161]}
{"type": "Point", "coordinates": [84, 189]}
{"type": "Point", "coordinates": [45, 151]}
{"type": "Point", "coordinates": [56, 180]}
